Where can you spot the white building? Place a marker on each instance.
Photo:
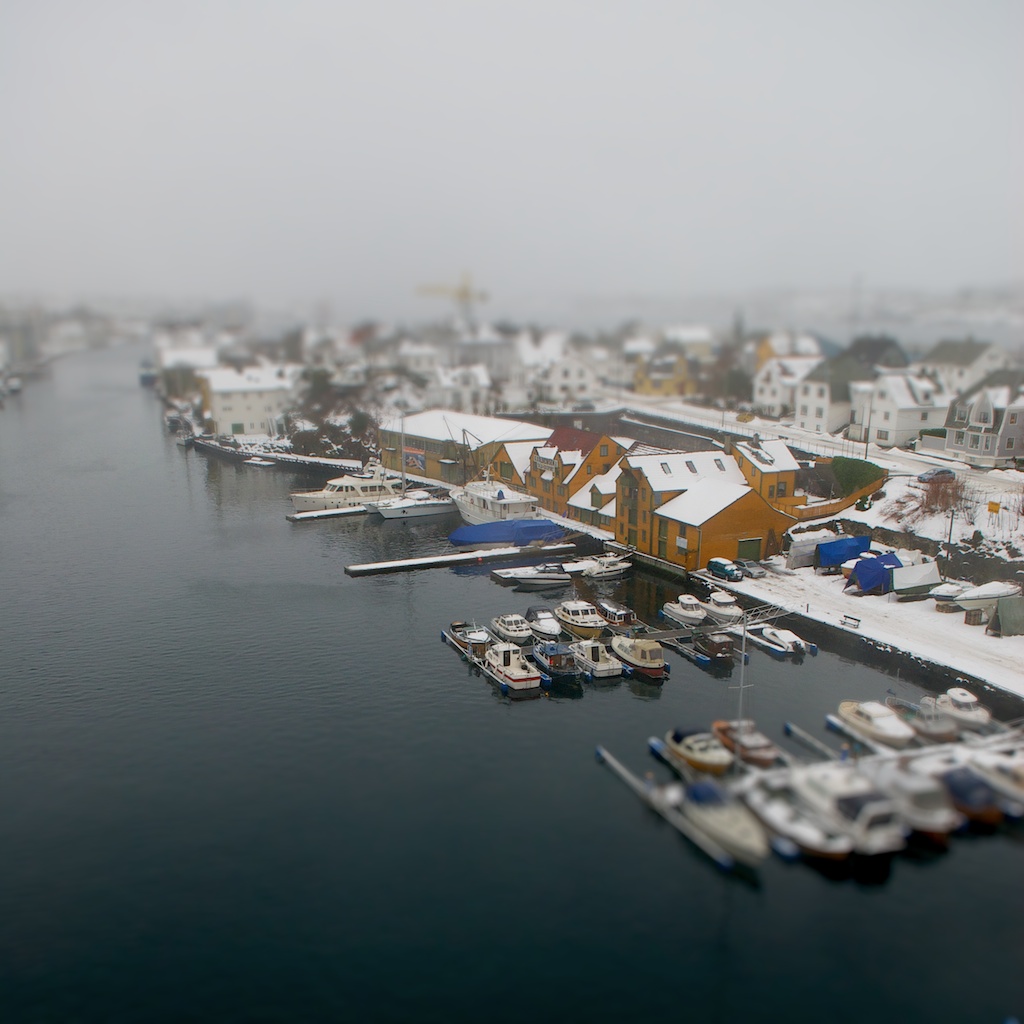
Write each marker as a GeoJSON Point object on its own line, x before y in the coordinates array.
{"type": "Point", "coordinates": [462, 388]}
{"type": "Point", "coordinates": [895, 407]}
{"type": "Point", "coordinates": [959, 365]}
{"type": "Point", "coordinates": [248, 401]}
{"type": "Point", "coordinates": [567, 381]}
{"type": "Point", "coordinates": [776, 383]}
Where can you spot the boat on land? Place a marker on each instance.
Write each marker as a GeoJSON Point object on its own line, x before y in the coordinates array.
{"type": "Point", "coordinates": [685, 611]}
{"type": "Point", "coordinates": [556, 659]}
{"type": "Point", "coordinates": [580, 618]}
{"type": "Point", "coordinates": [348, 491]}
{"type": "Point", "coordinates": [513, 628]}
{"type": "Point", "coordinates": [930, 724]}
{"type": "Point", "coordinates": [646, 657]}
{"type": "Point", "coordinates": [487, 501]}
{"type": "Point", "coordinates": [506, 664]}
{"type": "Point", "coordinates": [948, 592]}
{"type": "Point", "coordinates": [616, 615]}
{"type": "Point", "coordinates": [468, 638]}
{"type": "Point", "coordinates": [878, 722]}
{"type": "Point", "coordinates": [988, 595]}
{"type": "Point", "coordinates": [697, 749]}
{"type": "Point", "coordinates": [594, 660]}
{"type": "Point", "coordinates": [543, 623]}
{"type": "Point", "coordinates": [722, 608]}
{"type": "Point", "coordinates": [922, 802]}
{"type": "Point", "coordinates": [962, 706]}
{"type": "Point", "coordinates": [747, 743]}
{"type": "Point", "coordinates": [412, 504]}
{"type": "Point", "coordinates": [545, 576]}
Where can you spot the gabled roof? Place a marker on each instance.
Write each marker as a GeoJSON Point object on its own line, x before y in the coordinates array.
{"type": "Point", "coordinates": [957, 353]}
{"type": "Point", "coordinates": [605, 484]}
{"type": "Point", "coordinates": [838, 372]}
{"type": "Point", "coordinates": [445, 425]}
{"type": "Point", "coordinates": [877, 351]}
{"type": "Point", "coordinates": [571, 438]}
{"type": "Point", "coordinates": [677, 471]}
{"type": "Point", "coordinates": [702, 501]}
{"type": "Point", "coordinates": [769, 456]}
{"type": "Point", "coordinates": [519, 454]}
{"type": "Point", "coordinates": [226, 380]}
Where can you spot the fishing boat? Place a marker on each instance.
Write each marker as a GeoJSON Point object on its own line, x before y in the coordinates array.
{"type": "Point", "coordinates": [722, 608]}
{"type": "Point", "coordinates": [546, 576]}
{"type": "Point", "coordinates": [594, 660]}
{"type": "Point", "coordinates": [783, 811]}
{"type": "Point", "coordinates": [876, 721]}
{"type": "Point", "coordinates": [685, 611]}
{"type": "Point", "coordinates": [556, 659]}
{"type": "Point", "coordinates": [931, 725]}
{"type": "Point", "coordinates": [747, 743]}
{"type": "Point", "coordinates": [468, 638]}
{"type": "Point", "coordinates": [512, 628]}
{"type": "Point", "coordinates": [922, 802]}
{"type": "Point", "coordinates": [506, 664]}
{"type": "Point", "coordinates": [349, 490]}
{"type": "Point", "coordinates": [412, 504]}
{"type": "Point", "coordinates": [487, 501]}
{"type": "Point", "coordinates": [616, 615]}
{"type": "Point", "coordinates": [645, 657]}
{"type": "Point", "coordinates": [697, 749]}
{"type": "Point", "coordinates": [543, 623]}
{"type": "Point", "coordinates": [580, 618]}
{"type": "Point", "coordinates": [962, 706]}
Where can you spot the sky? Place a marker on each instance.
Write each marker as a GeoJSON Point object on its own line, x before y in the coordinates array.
{"type": "Point", "coordinates": [561, 152]}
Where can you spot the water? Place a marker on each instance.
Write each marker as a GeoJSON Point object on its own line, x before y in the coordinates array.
{"type": "Point", "coordinates": [239, 785]}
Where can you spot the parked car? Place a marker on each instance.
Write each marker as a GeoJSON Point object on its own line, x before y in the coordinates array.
{"type": "Point", "coordinates": [724, 569]}
{"type": "Point", "coordinates": [940, 473]}
{"type": "Point", "coordinates": [750, 568]}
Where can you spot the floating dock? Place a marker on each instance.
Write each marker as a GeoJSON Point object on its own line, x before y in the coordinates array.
{"type": "Point", "coordinates": [326, 513]}
{"type": "Point", "coordinates": [477, 557]}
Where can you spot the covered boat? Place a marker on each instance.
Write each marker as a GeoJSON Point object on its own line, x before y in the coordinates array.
{"type": "Point", "coordinates": [987, 595]}
{"type": "Point", "coordinates": [543, 623]}
{"type": "Point", "coordinates": [515, 532]}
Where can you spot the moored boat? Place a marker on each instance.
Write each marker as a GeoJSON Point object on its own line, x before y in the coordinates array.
{"type": "Point", "coordinates": [545, 576]}
{"type": "Point", "coordinates": [876, 722]}
{"type": "Point", "coordinates": [487, 500]}
{"type": "Point", "coordinates": [468, 638]}
{"type": "Point", "coordinates": [556, 659]}
{"type": "Point", "coordinates": [580, 618]}
{"type": "Point", "coordinates": [506, 664]}
{"type": "Point", "coordinates": [697, 749]}
{"type": "Point", "coordinates": [970, 792]}
{"type": "Point", "coordinates": [607, 567]}
{"type": "Point", "coordinates": [512, 627]}
{"type": "Point", "coordinates": [413, 504]}
{"type": "Point", "coordinates": [349, 490]}
{"type": "Point", "coordinates": [594, 660]}
{"type": "Point", "coordinates": [718, 647]}
{"type": "Point", "coordinates": [922, 802]}
{"type": "Point", "coordinates": [721, 608]}
{"type": "Point", "coordinates": [543, 623]}
{"type": "Point", "coordinates": [643, 656]}
{"type": "Point", "coordinates": [930, 724]}
{"type": "Point", "coordinates": [962, 706]}
{"type": "Point", "coordinates": [747, 743]}
{"type": "Point", "coordinates": [685, 611]}
{"type": "Point", "coordinates": [618, 616]}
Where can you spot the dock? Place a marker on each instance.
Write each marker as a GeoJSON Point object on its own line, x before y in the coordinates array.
{"type": "Point", "coordinates": [476, 557]}
{"type": "Point", "coordinates": [326, 513]}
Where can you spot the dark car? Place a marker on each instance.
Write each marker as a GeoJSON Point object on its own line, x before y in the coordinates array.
{"type": "Point", "coordinates": [749, 568]}
{"type": "Point", "coordinates": [936, 474]}
{"type": "Point", "coordinates": [724, 569]}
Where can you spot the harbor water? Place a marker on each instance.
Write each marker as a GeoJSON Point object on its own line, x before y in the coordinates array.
{"type": "Point", "coordinates": [239, 785]}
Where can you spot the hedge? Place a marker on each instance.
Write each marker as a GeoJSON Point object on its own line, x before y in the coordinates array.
{"type": "Point", "coordinates": [853, 474]}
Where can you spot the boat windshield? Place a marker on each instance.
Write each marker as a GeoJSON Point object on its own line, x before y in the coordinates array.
{"type": "Point", "coordinates": [706, 793]}
{"type": "Point", "coordinates": [850, 807]}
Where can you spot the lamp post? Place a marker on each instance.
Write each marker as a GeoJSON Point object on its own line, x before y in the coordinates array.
{"type": "Point", "coordinates": [867, 429]}
{"type": "Point", "coordinates": [949, 539]}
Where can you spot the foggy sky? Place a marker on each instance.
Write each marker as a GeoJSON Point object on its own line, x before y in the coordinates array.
{"type": "Point", "coordinates": [350, 151]}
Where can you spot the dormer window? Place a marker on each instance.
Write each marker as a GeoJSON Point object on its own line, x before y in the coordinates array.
{"type": "Point", "coordinates": [691, 467]}
{"type": "Point", "coordinates": [720, 464]}
{"type": "Point", "coordinates": [665, 469]}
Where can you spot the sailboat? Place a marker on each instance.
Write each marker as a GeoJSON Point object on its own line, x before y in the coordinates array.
{"type": "Point", "coordinates": [414, 503]}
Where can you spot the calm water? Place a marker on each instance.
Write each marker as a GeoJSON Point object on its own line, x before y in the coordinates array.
{"type": "Point", "coordinates": [239, 785]}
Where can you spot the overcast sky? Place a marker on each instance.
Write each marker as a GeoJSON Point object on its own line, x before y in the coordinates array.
{"type": "Point", "coordinates": [557, 150]}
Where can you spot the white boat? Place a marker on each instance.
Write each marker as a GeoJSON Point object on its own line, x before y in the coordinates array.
{"type": "Point", "coordinates": [685, 611]}
{"type": "Point", "coordinates": [949, 591]}
{"type": "Point", "coordinates": [594, 660]}
{"type": "Point", "coordinates": [931, 725]}
{"type": "Point", "coordinates": [512, 627]}
{"type": "Point", "coordinates": [696, 749]}
{"type": "Point", "coordinates": [922, 802]}
{"type": "Point", "coordinates": [850, 801]}
{"type": "Point", "coordinates": [580, 618]}
{"type": "Point", "coordinates": [876, 721]}
{"type": "Point", "coordinates": [720, 815]}
{"type": "Point", "coordinates": [972, 794]}
{"type": "Point", "coordinates": [257, 461]}
{"type": "Point", "coordinates": [987, 595]}
{"type": "Point", "coordinates": [961, 705]}
{"type": "Point", "coordinates": [349, 490]}
{"type": "Point", "coordinates": [785, 641]}
{"type": "Point", "coordinates": [644, 656]}
{"type": "Point", "coordinates": [534, 577]}
{"type": "Point", "coordinates": [1002, 768]}
{"type": "Point", "coordinates": [488, 501]}
{"type": "Point", "coordinates": [413, 504]}
{"type": "Point", "coordinates": [607, 567]}
{"type": "Point", "coordinates": [508, 667]}
{"type": "Point", "coordinates": [543, 623]}
{"type": "Point", "coordinates": [722, 608]}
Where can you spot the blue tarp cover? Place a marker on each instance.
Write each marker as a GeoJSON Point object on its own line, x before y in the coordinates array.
{"type": "Point", "coordinates": [874, 574]}
{"type": "Point", "coordinates": [835, 552]}
{"type": "Point", "coordinates": [518, 532]}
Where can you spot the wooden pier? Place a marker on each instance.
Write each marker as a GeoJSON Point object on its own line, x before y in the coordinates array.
{"type": "Point", "coordinates": [477, 557]}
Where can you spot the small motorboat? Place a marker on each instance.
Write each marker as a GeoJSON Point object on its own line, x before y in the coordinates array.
{"type": "Point", "coordinates": [616, 615]}
{"type": "Point", "coordinates": [987, 595]}
{"type": "Point", "coordinates": [556, 659]}
{"type": "Point", "coordinates": [543, 623]}
{"type": "Point", "coordinates": [971, 793]}
{"type": "Point", "coordinates": [580, 618]}
{"type": "Point", "coordinates": [719, 647]}
{"type": "Point", "coordinates": [700, 750]}
{"type": "Point", "coordinates": [781, 641]}
{"type": "Point", "coordinates": [607, 567]}
{"type": "Point", "coordinates": [722, 608]}
{"type": "Point", "coordinates": [468, 638]}
{"type": "Point", "coordinates": [512, 628]}
{"type": "Point", "coordinates": [876, 722]}
{"type": "Point", "coordinates": [685, 611]}
{"type": "Point", "coordinates": [948, 592]}
{"type": "Point", "coordinates": [747, 743]}
{"type": "Point", "coordinates": [413, 504]}
{"type": "Point", "coordinates": [962, 706]}
{"type": "Point", "coordinates": [1002, 768]}
{"type": "Point", "coordinates": [922, 802]}
{"type": "Point", "coordinates": [534, 577]}
{"type": "Point", "coordinates": [930, 724]}
{"type": "Point", "coordinates": [643, 656]}
{"type": "Point", "coordinates": [507, 665]}
{"type": "Point", "coordinates": [594, 660]}
{"type": "Point", "coordinates": [257, 461]}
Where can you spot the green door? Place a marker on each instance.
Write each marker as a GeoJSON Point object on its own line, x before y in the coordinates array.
{"type": "Point", "coordinates": [750, 548]}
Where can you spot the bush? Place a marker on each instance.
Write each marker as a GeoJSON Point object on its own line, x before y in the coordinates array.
{"type": "Point", "coordinates": [854, 474]}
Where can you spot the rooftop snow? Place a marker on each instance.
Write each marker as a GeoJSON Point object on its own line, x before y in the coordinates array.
{"type": "Point", "coordinates": [702, 501]}
{"type": "Point", "coordinates": [445, 425]}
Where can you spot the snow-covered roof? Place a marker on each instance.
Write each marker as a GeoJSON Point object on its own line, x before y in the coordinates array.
{"type": "Point", "coordinates": [789, 369]}
{"type": "Point", "coordinates": [519, 454]}
{"type": "Point", "coordinates": [907, 392]}
{"type": "Point", "coordinates": [689, 334]}
{"type": "Point", "coordinates": [536, 353]}
{"type": "Point", "coordinates": [191, 357]}
{"type": "Point", "coordinates": [676, 471]}
{"type": "Point", "coordinates": [473, 375]}
{"type": "Point", "coordinates": [702, 501]}
{"type": "Point", "coordinates": [446, 425]}
{"type": "Point", "coordinates": [769, 456]}
{"type": "Point", "coordinates": [226, 380]}
{"type": "Point", "coordinates": [638, 346]}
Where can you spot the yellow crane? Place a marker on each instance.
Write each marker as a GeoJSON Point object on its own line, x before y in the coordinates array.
{"type": "Point", "coordinates": [463, 294]}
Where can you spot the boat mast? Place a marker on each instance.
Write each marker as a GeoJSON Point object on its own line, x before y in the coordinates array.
{"type": "Point", "coordinates": [403, 453]}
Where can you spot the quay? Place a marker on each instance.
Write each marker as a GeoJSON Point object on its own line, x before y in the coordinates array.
{"type": "Point", "coordinates": [477, 557]}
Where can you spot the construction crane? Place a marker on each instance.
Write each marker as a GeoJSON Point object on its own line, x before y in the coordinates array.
{"type": "Point", "coordinates": [463, 294]}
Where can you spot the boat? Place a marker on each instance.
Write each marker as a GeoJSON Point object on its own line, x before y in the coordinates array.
{"type": "Point", "coordinates": [578, 566]}
{"type": "Point", "coordinates": [534, 577]}
{"type": "Point", "coordinates": [508, 532]}
{"type": "Point", "coordinates": [876, 721]}
{"type": "Point", "coordinates": [972, 795]}
{"type": "Point", "coordinates": [962, 706]}
{"type": "Point", "coordinates": [930, 724]}
{"type": "Point", "coordinates": [643, 656]}
{"type": "Point", "coordinates": [922, 802]}
{"type": "Point", "coordinates": [607, 567]}
{"type": "Point", "coordinates": [468, 638]}
{"type": "Point", "coordinates": [256, 460]}
{"type": "Point", "coordinates": [948, 592]}
{"type": "Point", "coordinates": [349, 490]}
{"type": "Point", "coordinates": [850, 801]}
{"type": "Point", "coordinates": [543, 623]}
{"type": "Point", "coordinates": [717, 647]}
{"type": "Point", "coordinates": [580, 618]}
{"type": "Point", "coordinates": [487, 501]}
{"type": "Point", "coordinates": [987, 595]}
{"type": "Point", "coordinates": [555, 659]}
{"type": "Point", "coordinates": [506, 664]}
{"type": "Point", "coordinates": [685, 611]}
{"type": "Point", "coordinates": [697, 749]}
{"type": "Point", "coordinates": [781, 642]}
{"type": "Point", "coordinates": [148, 373]}
{"type": "Point", "coordinates": [512, 627]}
{"type": "Point", "coordinates": [784, 812]}
{"type": "Point", "coordinates": [1002, 768]}
{"type": "Point", "coordinates": [594, 660]}
{"type": "Point", "coordinates": [617, 615]}
{"type": "Point", "coordinates": [413, 504]}
{"type": "Point", "coordinates": [747, 743]}
{"type": "Point", "coordinates": [722, 608]}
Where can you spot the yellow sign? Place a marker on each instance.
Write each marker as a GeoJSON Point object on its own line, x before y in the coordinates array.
{"type": "Point", "coordinates": [993, 507]}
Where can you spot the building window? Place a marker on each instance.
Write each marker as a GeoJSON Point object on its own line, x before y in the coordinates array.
{"type": "Point", "coordinates": [881, 435]}
{"type": "Point", "coordinates": [782, 489]}
{"type": "Point", "coordinates": [819, 413]}
{"type": "Point", "coordinates": [1012, 418]}
{"type": "Point", "coordinates": [720, 464]}
{"type": "Point", "coordinates": [1009, 443]}
{"type": "Point", "coordinates": [771, 491]}
{"type": "Point", "coordinates": [807, 390]}
{"type": "Point", "coordinates": [924, 417]}
{"type": "Point", "coordinates": [681, 544]}
{"type": "Point", "coordinates": [988, 442]}
{"type": "Point", "coordinates": [821, 392]}
{"type": "Point", "coordinates": [975, 441]}
{"type": "Point", "coordinates": [958, 439]}
{"type": "Point", "coordinates": [662, 527]}
{"type": "Point", "coordinates": [590, 470]}
{"type": "Point", "coordinates": [604, 449]}
{"type": "Point", "coordinates": [691, 467]}
{"type": "Point", "coordinates": [885, 417]}
{"type": "Point", "coordinates": [643, 536]}
{"type": "Point", "coordinates": [803, 410]}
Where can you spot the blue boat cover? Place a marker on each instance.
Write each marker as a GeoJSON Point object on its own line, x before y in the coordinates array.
{"type": "Point", "coordinates": [874, 575]}
{"type": "Point", "coordinates": [835, 552]}
{"type": "Point", "coordinates": [518, 532]}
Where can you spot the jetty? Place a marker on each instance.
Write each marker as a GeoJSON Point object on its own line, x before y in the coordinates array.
{"type": "Point", "coordinates": [477, 557]}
